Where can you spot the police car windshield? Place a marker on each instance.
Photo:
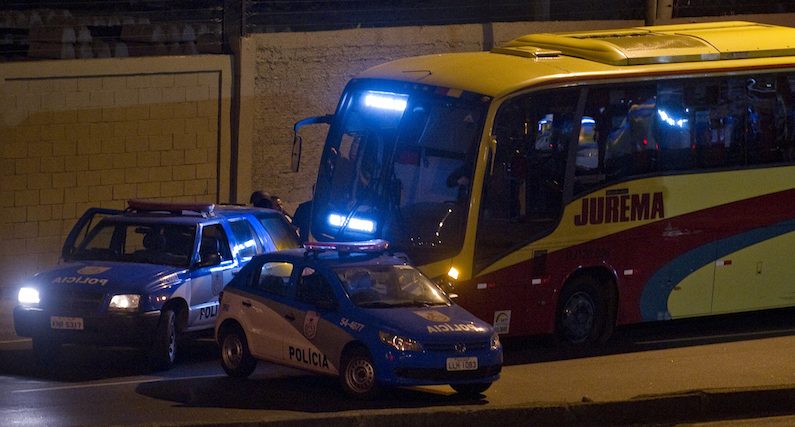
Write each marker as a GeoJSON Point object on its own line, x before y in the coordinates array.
{"type": "Point", "coordinates": [164, 244]}
{"type": "Point", "coordinates": [386, 286]}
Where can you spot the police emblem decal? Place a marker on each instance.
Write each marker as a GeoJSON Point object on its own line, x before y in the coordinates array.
{"type": "Point", "coordinates": [310, 324]}
{"type": "Point", "coordinates": [433, 316]}
{"type": "Point", "coordinates": [92, 269]}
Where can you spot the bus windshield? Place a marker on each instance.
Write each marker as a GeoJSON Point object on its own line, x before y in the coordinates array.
{"type": "Point", "coordinates": [398, 165]}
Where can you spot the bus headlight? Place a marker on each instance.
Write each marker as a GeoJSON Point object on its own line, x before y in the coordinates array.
{"type": "Point", "coordinates": [125, 302]}
{"type": "Point", "coordinates": [447, 282]}
{"type": "Point", "coordinates": [28, 296]}
{"type": "Point", "coordinates": [399, 343]}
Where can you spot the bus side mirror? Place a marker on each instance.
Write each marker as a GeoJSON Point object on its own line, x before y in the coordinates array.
{"type": "Point", "coordinates": [295, 160]}
{"type": "Point", "coordinates": [296, 155]}
{"type": "Point", "coordinates": [490, 159]}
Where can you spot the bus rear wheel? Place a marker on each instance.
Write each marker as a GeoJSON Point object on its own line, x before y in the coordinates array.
{"type": "Point", "coordinates": [583, 315]}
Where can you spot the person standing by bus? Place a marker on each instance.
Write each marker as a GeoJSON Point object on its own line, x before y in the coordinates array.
{"type": "Point", "coordinates": [279, 206]}
{"type": "Point", "coordinates": [261, 199]}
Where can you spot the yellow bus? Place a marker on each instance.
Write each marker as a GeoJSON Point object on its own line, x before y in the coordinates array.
{"type": "Point", "coordinates": [571, 182]}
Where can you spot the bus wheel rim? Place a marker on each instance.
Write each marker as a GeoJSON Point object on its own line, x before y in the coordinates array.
{"type": "Point", "coordinates": [578, 317]}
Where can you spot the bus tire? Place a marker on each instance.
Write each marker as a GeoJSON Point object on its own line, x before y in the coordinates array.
{"type": "Point", "coordinates": [584, 318]}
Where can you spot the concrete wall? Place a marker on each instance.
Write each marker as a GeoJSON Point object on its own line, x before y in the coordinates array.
{"type": "Point", "coordinates": [82, 133]}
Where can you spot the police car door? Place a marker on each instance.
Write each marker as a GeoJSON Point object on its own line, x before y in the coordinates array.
{"type": "Point", "coordinates": [213, 269]}
{"type": "Point", "coordinates": [81, 228]}
{"type": "Point", "coordinates": [268, 312]}
{"type": "Point", "coordinates": [318, 339]}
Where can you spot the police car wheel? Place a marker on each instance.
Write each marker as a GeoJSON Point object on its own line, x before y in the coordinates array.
{"type": "Point", "coordinates": [236, 358]}
{"type": "Point", "coordinates": [164, 349]}
{"type": "Point", "coordinates": [473, 389]}
{"type": "Point", "coordinates": [358, 374]}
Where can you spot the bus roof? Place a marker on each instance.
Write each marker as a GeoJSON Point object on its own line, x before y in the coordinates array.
{"type": "Point", "coordinates": [537, 58]}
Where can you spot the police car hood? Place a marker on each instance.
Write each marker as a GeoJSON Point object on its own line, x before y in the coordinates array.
{"type": "Point", "coordinates": [111, 277]}
{"type": "Point", "coordinates": [436, 323]}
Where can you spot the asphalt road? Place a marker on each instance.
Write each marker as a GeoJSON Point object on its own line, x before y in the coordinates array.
{"type": "Point", "coordinates": [101, 386]}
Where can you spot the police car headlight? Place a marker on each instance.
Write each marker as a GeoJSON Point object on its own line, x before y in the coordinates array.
{"type": "Point", "coordinates": [399, 343]}
{"type": "Point", "coordinates": [495, 341]}
{"type": "Point", "coordinates": [28, 296]}
{"type": "Point", "coordinates": [125, 302]}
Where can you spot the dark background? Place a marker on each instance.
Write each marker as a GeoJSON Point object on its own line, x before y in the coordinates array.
{"type": "Point", "coordinates": [311, 15]}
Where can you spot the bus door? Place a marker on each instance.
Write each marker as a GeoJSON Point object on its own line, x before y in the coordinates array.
{"type": "Point", "coordinates": [521, 203]}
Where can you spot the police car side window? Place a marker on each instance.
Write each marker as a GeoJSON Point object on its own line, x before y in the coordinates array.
{"type": "Point", "coordinates": [313, 288]}
{"type": "Point", "coordinates": [274, 278]}
{"type": "Point", "coordinates": [213, 236]}
{"type": "Point", "coordinates": [247, 244]}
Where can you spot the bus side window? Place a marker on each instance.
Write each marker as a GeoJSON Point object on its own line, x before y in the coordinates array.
{"type": "Point", "coordinates": [786, 93]}
{"type": "Point", "coordinates": [616, 138]}
{"type": "Point", "coordinates": [673, 128]}
{"type": "Point", "coordinates": [630, 145]}
{"type": "Point", "coordinates": [767, 98]}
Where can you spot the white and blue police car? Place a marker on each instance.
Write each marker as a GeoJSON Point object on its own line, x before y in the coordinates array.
{"type": "Point", "coordinates": [356, 311]}
{"type": "Point", "coordinates": [144, 276]}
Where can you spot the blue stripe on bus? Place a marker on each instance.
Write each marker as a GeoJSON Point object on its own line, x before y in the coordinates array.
{"type": "Point", "coordinates": [654, 300]}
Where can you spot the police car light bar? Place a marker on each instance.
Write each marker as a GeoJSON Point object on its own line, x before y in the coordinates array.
{"type": "Point", "coordinates": [365, 246]}
{"type": "Point", "coordinates": [139, 205]}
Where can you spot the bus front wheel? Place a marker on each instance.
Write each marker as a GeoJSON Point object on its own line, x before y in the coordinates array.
{"type": "Point", "coordinates": [583, 313]}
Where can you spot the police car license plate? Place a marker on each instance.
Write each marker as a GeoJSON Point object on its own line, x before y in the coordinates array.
{"type": "Point", "coordinates": [462, 363]}
{"type": "Point", "coordinates": [59, 322]}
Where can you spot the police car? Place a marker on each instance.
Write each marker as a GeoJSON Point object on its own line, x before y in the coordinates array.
{"type": "Point", "coordinates": [144, 276]}
{"type": "Point", "coordinates": [356, 311]}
